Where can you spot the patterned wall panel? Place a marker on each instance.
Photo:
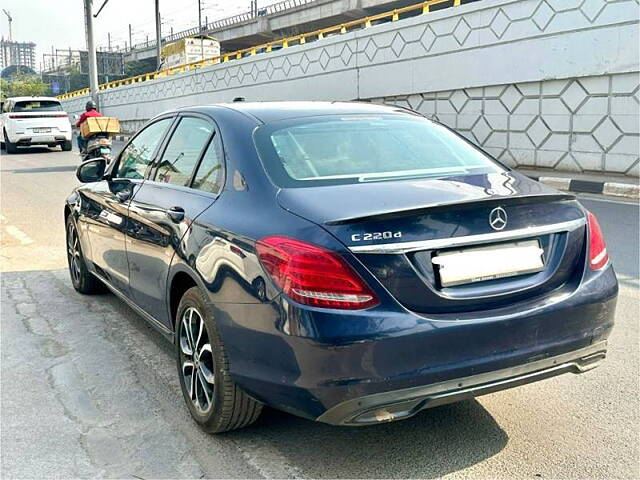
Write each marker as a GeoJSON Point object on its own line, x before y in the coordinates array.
{"type": "Point", "coordinates": [580, 124]}
{"type": "Point", "coordinates": [535, 82]}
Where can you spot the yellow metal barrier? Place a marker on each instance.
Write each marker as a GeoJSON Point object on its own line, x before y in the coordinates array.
{"type": "Point", "coordinates": [343, 28]}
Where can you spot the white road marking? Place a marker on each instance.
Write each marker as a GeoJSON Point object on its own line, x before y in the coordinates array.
{"type": "Point", "coordinates": [18, 234]}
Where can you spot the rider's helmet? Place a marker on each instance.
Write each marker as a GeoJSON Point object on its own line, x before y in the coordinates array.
{"type": "Point", "coordinates": [91, 105]}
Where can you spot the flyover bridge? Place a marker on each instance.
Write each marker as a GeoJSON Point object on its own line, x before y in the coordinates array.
{"type": "Point", "coordinates": [282, 19]}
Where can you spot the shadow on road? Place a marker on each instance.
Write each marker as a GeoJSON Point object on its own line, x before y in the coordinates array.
{"type": "Point", "coordinates": [61, 168]}
{"type": "Point", "coordinates": [434, 443]}
{"type": "Point", "coordinates": [32, 150]}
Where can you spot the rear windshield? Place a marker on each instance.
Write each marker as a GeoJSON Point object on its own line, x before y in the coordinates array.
{"type": "Point", "coordinates": [37, 106]}
{"type": "Point", "coordinates": [332, 150]}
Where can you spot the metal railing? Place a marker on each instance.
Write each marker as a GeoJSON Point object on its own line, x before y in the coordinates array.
{"type": "Point", "coordinates": [224, 22]}
{"type": "Point", "coordinates": [367, 22]}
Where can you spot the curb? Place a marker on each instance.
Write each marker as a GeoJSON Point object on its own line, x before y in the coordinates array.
{"type": "Point", "coordinates": [627, 190]}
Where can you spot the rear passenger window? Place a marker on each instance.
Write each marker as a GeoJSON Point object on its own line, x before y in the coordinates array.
{"type": "Point", "coordinates": [209, 173]}
{"type": "Point", "coordinates": [183, 151]}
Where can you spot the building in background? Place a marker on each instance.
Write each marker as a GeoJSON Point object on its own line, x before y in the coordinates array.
{"type": "Point", "coordinates": [20, 54]}
{"type": "Point", "coordinates": [66, 69]}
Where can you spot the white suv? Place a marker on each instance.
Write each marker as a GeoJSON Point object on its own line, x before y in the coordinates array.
{"type": "Point", "coordinates": [29, 121]}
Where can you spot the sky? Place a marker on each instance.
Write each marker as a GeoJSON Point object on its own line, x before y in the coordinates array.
{"type": "Point", "coordinates": [60, 23]}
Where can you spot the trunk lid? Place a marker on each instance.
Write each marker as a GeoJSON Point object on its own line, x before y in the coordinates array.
{"type": "Point", "coordinates": [396, 229]}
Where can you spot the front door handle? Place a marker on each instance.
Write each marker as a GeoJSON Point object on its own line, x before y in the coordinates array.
{"type": "Point", "coordinates": [176, 214]}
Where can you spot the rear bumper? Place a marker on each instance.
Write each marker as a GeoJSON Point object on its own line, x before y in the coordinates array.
{"type": "Point", "coordinates": [340, 368]}
{"type": "Point", "coordinates": [404, 403]}
{"type": "Point", "coordinates": [45, 139]}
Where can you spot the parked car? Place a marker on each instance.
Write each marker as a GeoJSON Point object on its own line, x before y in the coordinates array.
{"type": "Point", "coordinates": [344, 262]}
{"type": "Point", "coordinates": [27, 121]}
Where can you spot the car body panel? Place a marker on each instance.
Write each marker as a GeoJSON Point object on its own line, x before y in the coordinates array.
{"type": "Point", "coordinates": [152, 238]}
{"type": "Point", "coordinates": [102, 221]}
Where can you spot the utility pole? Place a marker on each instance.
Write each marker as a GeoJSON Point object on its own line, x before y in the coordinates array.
{"type": "Point", "coordinates": [130, 38]}
{"type": "Point", "coordinates": [10, 18]}
{"type": "Point", "coordinates": [91, 51]}
{"type": "Point", "coordinates": [109, 40]}
{"type": "Point", "coordinates": [158, 35]}
{"type": "Point", "coordinates": [200, 30]}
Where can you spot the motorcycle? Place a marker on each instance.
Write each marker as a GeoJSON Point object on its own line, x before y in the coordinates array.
{"type": "Point", "coordinates": [99, 145]}
{"type": "Point", "coordinates": [98, 131]}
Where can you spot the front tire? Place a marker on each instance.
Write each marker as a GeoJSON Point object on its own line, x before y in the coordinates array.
{"type": "Point", "coordinates": [215, 402]}
{"type": "Point", "coordinates": [83, 281]}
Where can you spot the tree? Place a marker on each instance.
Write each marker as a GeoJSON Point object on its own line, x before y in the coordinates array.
{"type": "Point", "coordinates": [139, 67]}
{"type": "Point", "coordinates": [77, 80]}
{"type": "Point", "coordinates": [22, 85]}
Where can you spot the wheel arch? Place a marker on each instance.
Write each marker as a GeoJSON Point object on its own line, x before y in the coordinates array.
{"type": "Point", "coordinates": [179, 283]}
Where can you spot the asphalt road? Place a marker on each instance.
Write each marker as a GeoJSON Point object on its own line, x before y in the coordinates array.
{"type": "Point", "coordinates": [89, 390]}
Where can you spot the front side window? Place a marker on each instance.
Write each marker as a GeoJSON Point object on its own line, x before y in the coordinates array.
{"type": "Point", "coordinates": [209, 175]}
{"type": "Point", "coordinates": [183, 151]}
{"type": "Point", "coordinates": [37, 106]}
{"type": "Point", "coordinates": [333, 150]}
{"type": "Point", "coordinates": [136, 158]}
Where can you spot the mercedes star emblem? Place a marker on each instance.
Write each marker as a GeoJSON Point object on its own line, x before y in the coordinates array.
{"type": "Point", "coordinates": [498, 218]}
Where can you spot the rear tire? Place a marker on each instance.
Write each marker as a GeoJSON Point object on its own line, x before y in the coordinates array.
{"type": "Point", "coordinates": [215, 402]}
{"type": "Point", "coordinates": [9, 146]}
{"type": "Point", "coordinates": [67, 146]}
{"type": "Point", "coordinates": [83, 281]}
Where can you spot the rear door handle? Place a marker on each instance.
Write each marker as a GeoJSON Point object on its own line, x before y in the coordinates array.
{"type": "Point", "coordinates": [176, 214]}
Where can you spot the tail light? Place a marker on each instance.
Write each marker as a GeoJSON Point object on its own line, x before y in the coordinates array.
{"type": "Point", "coordinates": [314, 276]}
{"type": "Point", "coordinates": [598, 256]}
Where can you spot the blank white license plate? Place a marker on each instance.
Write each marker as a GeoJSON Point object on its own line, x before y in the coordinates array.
{"type": "Point", "coordinates": [41, 130]}
{"type": "Point", "coordinates": [477, 264]}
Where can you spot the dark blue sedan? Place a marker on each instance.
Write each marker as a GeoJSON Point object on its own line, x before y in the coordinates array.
{"type": "Point", "coordinates": [345, 262]}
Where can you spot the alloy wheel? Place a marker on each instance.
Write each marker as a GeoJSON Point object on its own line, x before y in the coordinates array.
{"type": "Point", "coordinates": [73, 253]}
{"type": "Point", "coordinates": [196, 358]}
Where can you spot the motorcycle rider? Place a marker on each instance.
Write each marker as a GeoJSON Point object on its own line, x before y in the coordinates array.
{"type": "Point", "coordinates": [90, 111]}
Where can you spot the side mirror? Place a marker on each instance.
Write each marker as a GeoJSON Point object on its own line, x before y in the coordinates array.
{"type": "Point", "coordinates": [75, 117]}
{"type": "Point", "coordinates": [91, 170]}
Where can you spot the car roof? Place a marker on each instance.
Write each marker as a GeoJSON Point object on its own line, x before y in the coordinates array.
{"type": "Point", "coordinates": [21, 99]}
{"type": "Point", "coordinates": [267, 112]}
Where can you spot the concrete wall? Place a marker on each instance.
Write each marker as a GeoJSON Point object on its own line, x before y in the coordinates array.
{"type": "Point", "coordinates": [549, 83]}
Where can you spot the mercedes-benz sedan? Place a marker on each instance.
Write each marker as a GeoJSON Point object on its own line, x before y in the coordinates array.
{"type": "Point", "coordinates": [345, 262]}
